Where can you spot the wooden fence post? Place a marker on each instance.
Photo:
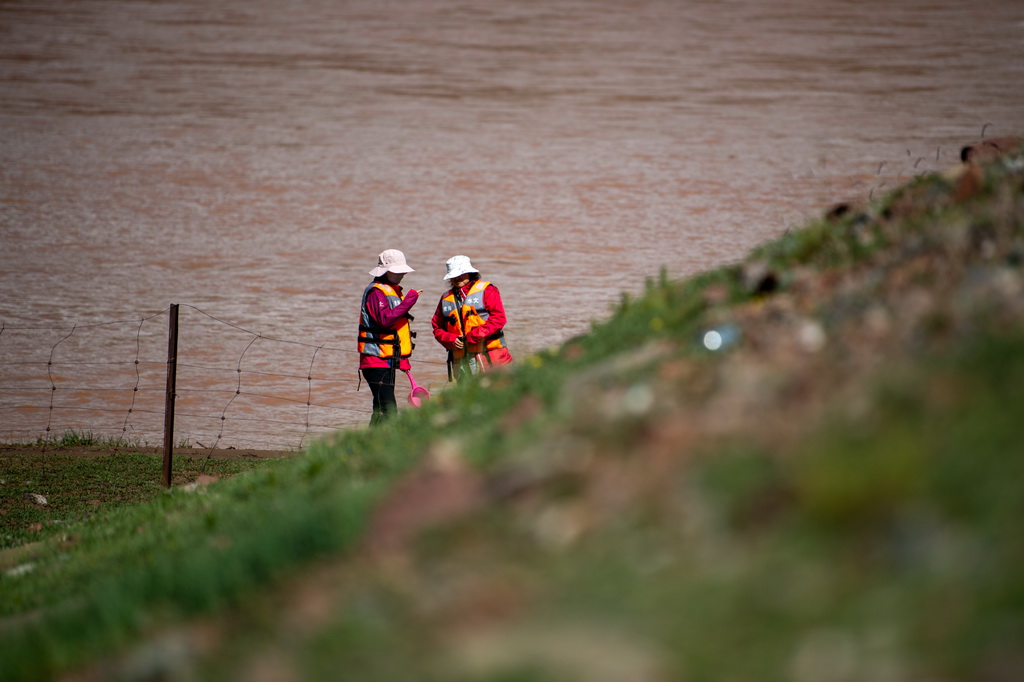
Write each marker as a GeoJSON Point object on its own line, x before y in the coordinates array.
{"type": "Point", "coordinates": [172, 368]}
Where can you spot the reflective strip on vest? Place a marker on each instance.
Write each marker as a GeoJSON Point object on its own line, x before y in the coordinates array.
{"type": "Point", "coordinates": [381, 341]}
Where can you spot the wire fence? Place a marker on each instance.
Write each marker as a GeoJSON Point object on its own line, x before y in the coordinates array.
{"type": "Point", "coordinates": [235, 388]}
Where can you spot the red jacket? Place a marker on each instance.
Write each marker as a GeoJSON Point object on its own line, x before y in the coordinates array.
{"type": "Point", "coordinates": [495, 322]}
{"type": "Point", "coordinates": [383, 314]}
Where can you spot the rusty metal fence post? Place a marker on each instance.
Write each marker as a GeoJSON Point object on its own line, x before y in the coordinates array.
{"type": "Point", "coordinates": [172, 368]}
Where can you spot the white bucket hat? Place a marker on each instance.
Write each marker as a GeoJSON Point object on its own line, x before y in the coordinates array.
{"type": "Point", "coordinates": [391, 260]}
{"type": "Point", "coordinates": [458, 265]}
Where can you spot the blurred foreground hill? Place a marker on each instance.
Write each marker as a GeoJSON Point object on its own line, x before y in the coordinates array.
{"type": "Point", "coordinates": [807, 466]}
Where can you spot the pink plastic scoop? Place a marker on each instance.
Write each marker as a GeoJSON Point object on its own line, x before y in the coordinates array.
{"type": "Point", "coordinates": [418, 394]}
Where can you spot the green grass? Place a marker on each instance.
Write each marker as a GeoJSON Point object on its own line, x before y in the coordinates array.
{"type": "Point", "coordinates": [886, 546]}
{"type": "Point", "coordinates": [883, 544]}
{"type": "Point", "coordinates": [184, 553]}
{"type": "Point", "coordinates": [73, 438]}
{"type": "Point", "coordinates": [78, 487]}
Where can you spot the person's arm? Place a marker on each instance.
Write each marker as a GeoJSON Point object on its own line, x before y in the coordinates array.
{"type": "Point", "coordinates": [382, 313]}
{"type": "Point", "coordinates": [437, 322]}
{"type": "Point", "coordinates": [495, 316]}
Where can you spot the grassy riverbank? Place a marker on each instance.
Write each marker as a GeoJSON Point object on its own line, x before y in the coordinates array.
{"type": "Point", "coordinates": [44, 487]}
{"type": "Point", "coordinates": [833, 493]}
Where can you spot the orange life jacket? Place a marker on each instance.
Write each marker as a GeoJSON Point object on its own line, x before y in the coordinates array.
{"type": "Point", "coordinates": [382, 342]}
{"type": "Point", "coordinates": [460, 319]}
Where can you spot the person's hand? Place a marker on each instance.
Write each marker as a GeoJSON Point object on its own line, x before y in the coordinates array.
{"type": "Point", "coordinates": [458, 345]}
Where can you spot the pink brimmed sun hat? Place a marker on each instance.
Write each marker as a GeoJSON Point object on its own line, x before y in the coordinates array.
{"type": "Point", "coordinates": [391, 260]}
{"type": "Point", "coordinates": [458, 265]}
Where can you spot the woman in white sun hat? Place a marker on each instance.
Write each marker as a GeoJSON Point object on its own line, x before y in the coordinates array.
{"type": "Point", "coordinates": [385, 339]}
{"type": "Point", "coordinates": [469, 321]}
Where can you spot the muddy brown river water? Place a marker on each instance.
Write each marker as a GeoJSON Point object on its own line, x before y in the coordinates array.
{"type": "Point", "coordinates": [248, 160]}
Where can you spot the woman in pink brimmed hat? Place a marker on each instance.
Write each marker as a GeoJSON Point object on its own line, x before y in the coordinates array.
{"type": "Point", "coordinates": [385, 339]}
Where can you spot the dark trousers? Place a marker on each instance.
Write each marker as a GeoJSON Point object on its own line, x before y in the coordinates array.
{"type": "Point", "coordinates": [382, 385]}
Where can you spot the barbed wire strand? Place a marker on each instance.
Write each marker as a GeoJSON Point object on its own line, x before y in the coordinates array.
{"type": "Point", "coordinates": [138, 376]}
{"type": "Point", "coordinates": [137, 386]}
{"type": "Point", "coordinates": [267, 396]}
{"type": "Point", "coordinates": [49, 374]}
{"type": "Point", "coordinates": [208, 368]}
{"type": "Point", "coordinates": [309, 393]}
{"type": "Point", "coordinates": [287, 341]}
{"type": "Point", "coordinates": [90, 325]}
{"type": "Point", "coordinates": [105, 389]}
{"type": "Point", "coordinates": [238, 389]}
{"type": "Point", "coordinates": [58, 363]}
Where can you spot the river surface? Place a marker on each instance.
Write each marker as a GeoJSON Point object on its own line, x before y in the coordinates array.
{"type": "Point", "coordinates": [248, 159]}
